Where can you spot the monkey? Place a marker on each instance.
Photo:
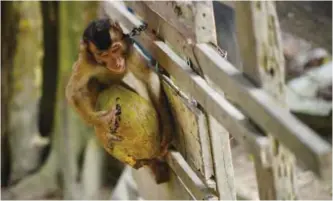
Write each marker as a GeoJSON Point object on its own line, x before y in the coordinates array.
{"type": "Point", "coordinates": [107, 56]}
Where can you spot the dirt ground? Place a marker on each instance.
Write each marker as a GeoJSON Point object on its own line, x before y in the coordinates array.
{"type": "Point", "coordinates": [308, 186]}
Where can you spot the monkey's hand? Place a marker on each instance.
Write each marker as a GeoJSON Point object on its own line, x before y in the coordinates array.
{"type": "Point", "coordinates": [104, 121]}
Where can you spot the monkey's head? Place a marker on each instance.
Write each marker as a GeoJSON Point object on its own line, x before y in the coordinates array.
{"type": "Point", "coordinates": [107, 44]}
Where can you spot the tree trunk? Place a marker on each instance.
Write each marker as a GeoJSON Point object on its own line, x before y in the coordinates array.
{"type": "Point", "coordinates": [43, 182]}
{"type": "Point", "coordinates": [10, 19]}
{"type": "Point", "coordinates": [74, 16]}
{"type": "Point", "coordinates": [24, 138]}
{"type": "Point", "coordinates": [50, 66]}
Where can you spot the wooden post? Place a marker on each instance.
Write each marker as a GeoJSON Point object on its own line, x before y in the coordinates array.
{"type": "Point", "coordinates": [205, 32]}
{"type": "Point", "coordinates": [193, 26]}
{"type": "Point", "coordinates": [195, 22]}
{"type": "Point", "coordinates": [257, 104]}
{"type": "Point", "coordinates": [259, 39]}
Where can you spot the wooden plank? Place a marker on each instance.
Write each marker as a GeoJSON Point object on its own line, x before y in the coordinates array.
{"type": "Point", "coordinates": [206, 167]}
{"type": "Point", "coordinates": [313, 151]}
{"type": "Point", "coordinates": [203, 32]}
{"type": "Point", "coordinates": [189, 126]}
{"type": "Point", "coordinates": [262, 106]}
{"type": "Point", "coordinates": [199, 190]}
{"type": "Point", "coordinates": [216, 104]}
{"type": "Point", "coordinates": [206, 154]}
{"type": "Point", "coordinates": [267, 113]}
{"type": "Point", "coordinates": [179, 14]}
{"type": "Point", "coordinates": [187, 17]}
{"type": "Point", "coordinates": [224, 172]}
{"type": "Point", "coordinates": [258, 29]}
{"type": "Point", "coordinates": [184, 183]}
{"type": "Point", "coordinates": [148, 190]}
{"type": "Point", "coordinates": [181, 43]}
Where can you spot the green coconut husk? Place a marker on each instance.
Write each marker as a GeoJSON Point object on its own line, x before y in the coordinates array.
{"type": "Point", "coordinates": [138, 125]}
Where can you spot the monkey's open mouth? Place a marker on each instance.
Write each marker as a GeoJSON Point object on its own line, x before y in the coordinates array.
{"type": "Point", "coordinates": [119, 68]}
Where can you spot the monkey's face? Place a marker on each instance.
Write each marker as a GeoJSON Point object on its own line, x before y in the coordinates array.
{"type": "Point", "coordinates": [113, 58]}
{"type": "Point", "coordinates": [116, 49]}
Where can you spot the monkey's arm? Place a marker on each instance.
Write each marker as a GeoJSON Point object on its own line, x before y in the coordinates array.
{"type": "Point", "coordinates": [159, 99]}
{"type": "Point", "coordinates": [157, 96]}
{"type": "Point", "coordinates": [80, 96]}
{"type": "Point", "coordinates": [160, 167]}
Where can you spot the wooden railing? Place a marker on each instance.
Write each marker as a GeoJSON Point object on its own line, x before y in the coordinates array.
{"type": "Point", "coordinates": [221, 99]}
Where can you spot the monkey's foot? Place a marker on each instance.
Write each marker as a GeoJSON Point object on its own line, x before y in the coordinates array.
{"type": "Point", "coordinates": [142, 162]}
{"type": "Point", "coordinates": [161, 171]}
{"type": "Point", "coordinates": [165, 147]}
{"type": "Point", "coordinates": [164, 152]}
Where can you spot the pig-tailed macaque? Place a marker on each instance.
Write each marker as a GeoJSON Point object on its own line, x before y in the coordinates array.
{"type": "Point", "coordinates": [106, 57]}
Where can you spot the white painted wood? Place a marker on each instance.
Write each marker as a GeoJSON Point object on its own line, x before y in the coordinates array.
{"type": "Point", "coordinates": [217, 105]}
{"type": "Point", "coordinates": [261, 50]}
{"type": "Point", "coordinates": [187, 138]}
{"type": "Point", "coordinates": [199, 190]}
{"type": "Point", "coordinates": [191, 135]}
{"type": "Point", "coordinates": [257, 104]}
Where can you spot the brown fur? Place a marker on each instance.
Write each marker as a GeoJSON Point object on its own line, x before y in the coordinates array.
{"type": "Point", "coordinates": [83, 89]}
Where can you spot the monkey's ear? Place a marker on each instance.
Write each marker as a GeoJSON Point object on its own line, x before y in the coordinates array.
{"type": "Point", "coordinates": [116, 48]}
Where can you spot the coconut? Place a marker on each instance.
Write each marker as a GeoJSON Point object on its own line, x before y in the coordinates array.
{"type": "Point", "coordinates": [138, 125]}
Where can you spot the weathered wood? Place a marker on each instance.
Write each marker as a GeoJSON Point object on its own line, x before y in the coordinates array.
{"type": "Point", "coordinates": [302, 141]}
{"type": "Point", "coordinates": [200, 17]}
{"type": "Point", "coordinates": [179, 14]}
{"type": "Point", "coordinates": [185, 185]}
{"type": "Point", "coordinates": [182, 42]}
{"type": "Point", "coordinates": [194, 150]}
{"type": "Point", "coordinates": [223, 167]}
{"type": "Point", "coordinates": [193, 19]}
{"type": "Point", "coordinates": [198, 189]}
{"type": "Point", "coordinates": [173, 190]}
{"type": "Point", "coordinates": [257, 104]}
{"type": "Point", "coordinates": [258, 30]}
{"type": "Point", "coordinates": [205, 32]}
{"type": "Point", "coordinates": [216, 104]}
{"type": "Point", "coordinates": [190, 141]}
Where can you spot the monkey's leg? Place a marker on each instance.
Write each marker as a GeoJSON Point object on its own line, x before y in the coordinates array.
{"type": "Point", "coordinates": [141, 162]}
{"type": "Point", "coordinates": [165, 143]}
{"type": "Point", "coordinates": [161, 170]}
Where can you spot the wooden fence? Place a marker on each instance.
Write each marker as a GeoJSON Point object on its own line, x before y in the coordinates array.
{"type": "Point", "coordinates": [211, 98]}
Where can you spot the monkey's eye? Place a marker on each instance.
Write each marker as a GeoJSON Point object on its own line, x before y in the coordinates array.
{"type": "Point", "coordinates": [99, 53]}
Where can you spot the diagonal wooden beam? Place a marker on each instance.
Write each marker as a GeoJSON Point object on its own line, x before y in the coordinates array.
{"type": "Point", "coordinates": [306, 145]}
